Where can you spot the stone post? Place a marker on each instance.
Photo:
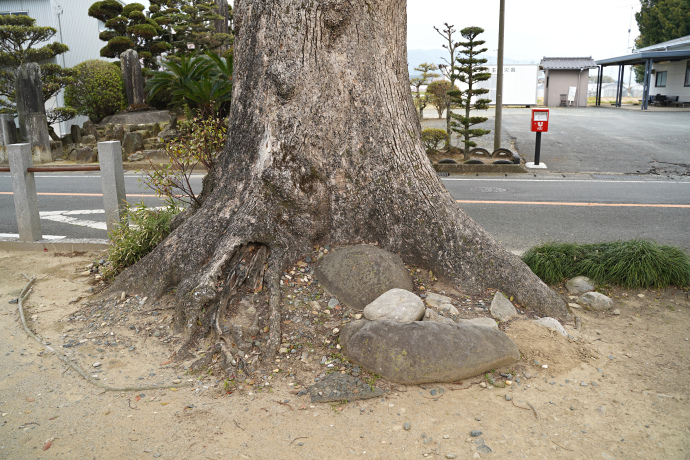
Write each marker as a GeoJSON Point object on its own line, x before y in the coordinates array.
{"type": "Point", "coordinates": [29, 95]}
{"type": "Point", "coordinates": [24, 191]}
{"type": "Point", "coordinates": [8, 135]}
{"type": "Point", "coordinates": [38, 137]}
{"type": "Point", "coordinates": [113, 180]}
{"type": "Point", "coordinates": [134, 79]}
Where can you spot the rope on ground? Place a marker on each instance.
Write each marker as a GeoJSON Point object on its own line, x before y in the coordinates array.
{"type": "Point", "coordinates": [22, 296]}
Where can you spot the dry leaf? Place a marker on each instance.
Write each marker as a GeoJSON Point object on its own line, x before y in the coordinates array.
{"type": "Point", "coordinates": [166, 363]}
{"type": "Point", "coordinates": [137, 398]}
{"type": "Point", "coordinates": [30, 400]}
{"type": "Point", "coordinates": [47, 445]}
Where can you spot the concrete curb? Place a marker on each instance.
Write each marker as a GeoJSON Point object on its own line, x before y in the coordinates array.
{"type": "Point", "coordinates": [63, 245]}
{"type": "Point", "coordinates": [471, 169]}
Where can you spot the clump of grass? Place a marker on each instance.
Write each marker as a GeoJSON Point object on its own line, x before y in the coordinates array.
{"type": "Point", "coordinates": [630, 264]}
{"type": "Point", "coordinates": [141, 230]}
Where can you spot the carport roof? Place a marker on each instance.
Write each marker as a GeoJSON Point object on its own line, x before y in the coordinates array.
{"type": "Point", "coordinates": [566, 63]}
{"type": "Point", "coordinates": [642, 57]}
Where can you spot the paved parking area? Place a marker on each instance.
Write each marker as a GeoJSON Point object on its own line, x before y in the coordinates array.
{"type": "Point", "coordinates": [596, 139]}
{"type": "Point", "coordinates": [606, 140]}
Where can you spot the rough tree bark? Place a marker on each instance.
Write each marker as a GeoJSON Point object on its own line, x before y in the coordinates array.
{"type": "Point", "coordinates": [323, 147]}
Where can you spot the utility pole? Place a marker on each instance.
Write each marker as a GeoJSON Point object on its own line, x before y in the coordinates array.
{"type": "Point", "coordinates": [499, 78]}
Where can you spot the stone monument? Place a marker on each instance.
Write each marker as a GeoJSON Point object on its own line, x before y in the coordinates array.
{"type": "Point", "coordinates": [134, 79]}
{"type": "Point", "coordinates": [33, 124]}
{"type": "Point", "coordinates": [29, 94]}
{"type": "Point", "coordinates": [8, 135]}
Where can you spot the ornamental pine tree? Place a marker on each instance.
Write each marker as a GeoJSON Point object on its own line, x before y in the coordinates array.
{"type": "Point", "coordinates": [471, 71]}
{"type": "Point", "coordinates": [193, 26]}
{"type": "Point", "coordinates": [129, 28]}
{"type": "Point", "coordinates": [21, 42]}
{"type": "Point", "coordinates": [421, 100]}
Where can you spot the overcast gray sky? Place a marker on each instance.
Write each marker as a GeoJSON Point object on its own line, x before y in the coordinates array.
{"type": "Point", "coordinates": [533, 28]}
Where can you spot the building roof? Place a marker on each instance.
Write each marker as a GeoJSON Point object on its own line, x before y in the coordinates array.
{"type": "Point", "coordinates": [567, 63]}
{"type": "Point", "coordinates": [667, 46]}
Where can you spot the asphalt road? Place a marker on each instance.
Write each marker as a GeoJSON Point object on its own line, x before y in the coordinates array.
{"type": "Point", "coordinates": [520, 211]}
{"type": "Point", "coordinates": [71, 204]}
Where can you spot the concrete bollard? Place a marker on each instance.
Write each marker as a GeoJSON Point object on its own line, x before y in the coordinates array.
{"type": "Point", "coordinates": [24, 190]}
{"type": "Point", "coordinates": [113, 180]}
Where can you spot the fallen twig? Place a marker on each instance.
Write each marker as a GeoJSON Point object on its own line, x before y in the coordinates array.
{"type": "Point", "coordinates": [571, 450]}
{"type": "Point", "coordinates": [284, 404]}
{"type": "Point", "coordinates": [536, 413]}
{"type": "Point", "coordinates": [237, 425]}
{"type": "Point", "coordinates": [299, 437]}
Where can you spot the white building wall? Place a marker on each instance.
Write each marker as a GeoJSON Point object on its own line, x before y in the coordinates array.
{"type": "Point", "coordinates": [675, 79]}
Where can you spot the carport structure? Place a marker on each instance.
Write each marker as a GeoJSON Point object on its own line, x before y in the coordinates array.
{"type": "Point", "coordinates": [662, 53]}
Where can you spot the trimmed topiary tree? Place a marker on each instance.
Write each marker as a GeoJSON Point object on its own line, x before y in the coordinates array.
{"type": "Point", "coordinates": [98, 91]}
{"type": "Point", "coordinates": [470, 71]}
{"type": "Point", "coordinates": [432, 138]}
{"type": "Point", "coordinates": [129, 28]}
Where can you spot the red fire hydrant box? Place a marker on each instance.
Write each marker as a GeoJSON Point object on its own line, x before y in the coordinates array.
{"type": "Point", "coordinates": [540, 120]}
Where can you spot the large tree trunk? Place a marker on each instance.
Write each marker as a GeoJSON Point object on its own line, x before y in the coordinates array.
{"type": "Point", "coordinates": [324, 147]}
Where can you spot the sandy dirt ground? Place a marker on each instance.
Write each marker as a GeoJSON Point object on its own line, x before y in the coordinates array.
{"type": "Point", "coordinates": [617, 389]}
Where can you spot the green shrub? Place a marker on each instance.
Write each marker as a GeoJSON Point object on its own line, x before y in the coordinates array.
{"type": "Point", "coordinates": [630, 264]}
{"type": "Point", "coordinates": [200, 142]}
{"type": "Point", "coordinates": [141, 231]}
{"type": "Point", "coordinates": [98, 91]}
{"type": "Point", "coordinates": [432, 137]}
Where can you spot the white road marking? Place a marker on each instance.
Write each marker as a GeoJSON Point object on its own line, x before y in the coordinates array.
{"type": "Point", "coordinates": [64, 217]}
{"type": "Point", "coordinates": [45, 237]}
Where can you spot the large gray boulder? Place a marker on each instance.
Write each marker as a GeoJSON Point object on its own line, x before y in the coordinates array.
{"type": "Point", "coordinates": [579, 285]}
{"type": "Point", "coordinates": [501, 308]}
{"type": "Point", "coordinates": [357, 275]}
{"type": "Point", "coordinates": [396, 305]}
{"type": "Point", "coordinates": [481, 321]}
{"type": "Point", "coordinates": [133, 142]}
{"type": "Point", "coordinates": [426, 351]}
{"type": "Point", "coordinates": [595, 301]}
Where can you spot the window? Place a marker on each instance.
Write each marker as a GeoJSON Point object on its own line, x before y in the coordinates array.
{"type": "Point", "coordinates": [14, 13]}
{"type": "Point", "coordinates": [687, 75]}
{"type": "Point", "coordinates": [661, 79]}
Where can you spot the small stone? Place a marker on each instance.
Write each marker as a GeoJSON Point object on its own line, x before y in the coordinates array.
{"type": "Point", "coordinates": [595, 301]}
{"type": "Point", "coordinates": [406, 426]}
{"type": "Point", "coordinates": [475, 433]}
{"type": "Point", "coordinates": [509, 398]}
{"type": "Point", "coordinates": [579, 285]}
{"type": "Point", "coordinates": [451, 455]}
{"type": "Point", "coordinates": [283, 350]}
{"type": "Point", "coordinates": [551, 324]}
{"type": "Point", "coordinates": [333, 302]}
{"type": "Point", "coordinates": [616, 312]}
{"type": "Point", "coordinates": [501, 308]}
{"type": "Point", "coordinates": [98, 364]}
